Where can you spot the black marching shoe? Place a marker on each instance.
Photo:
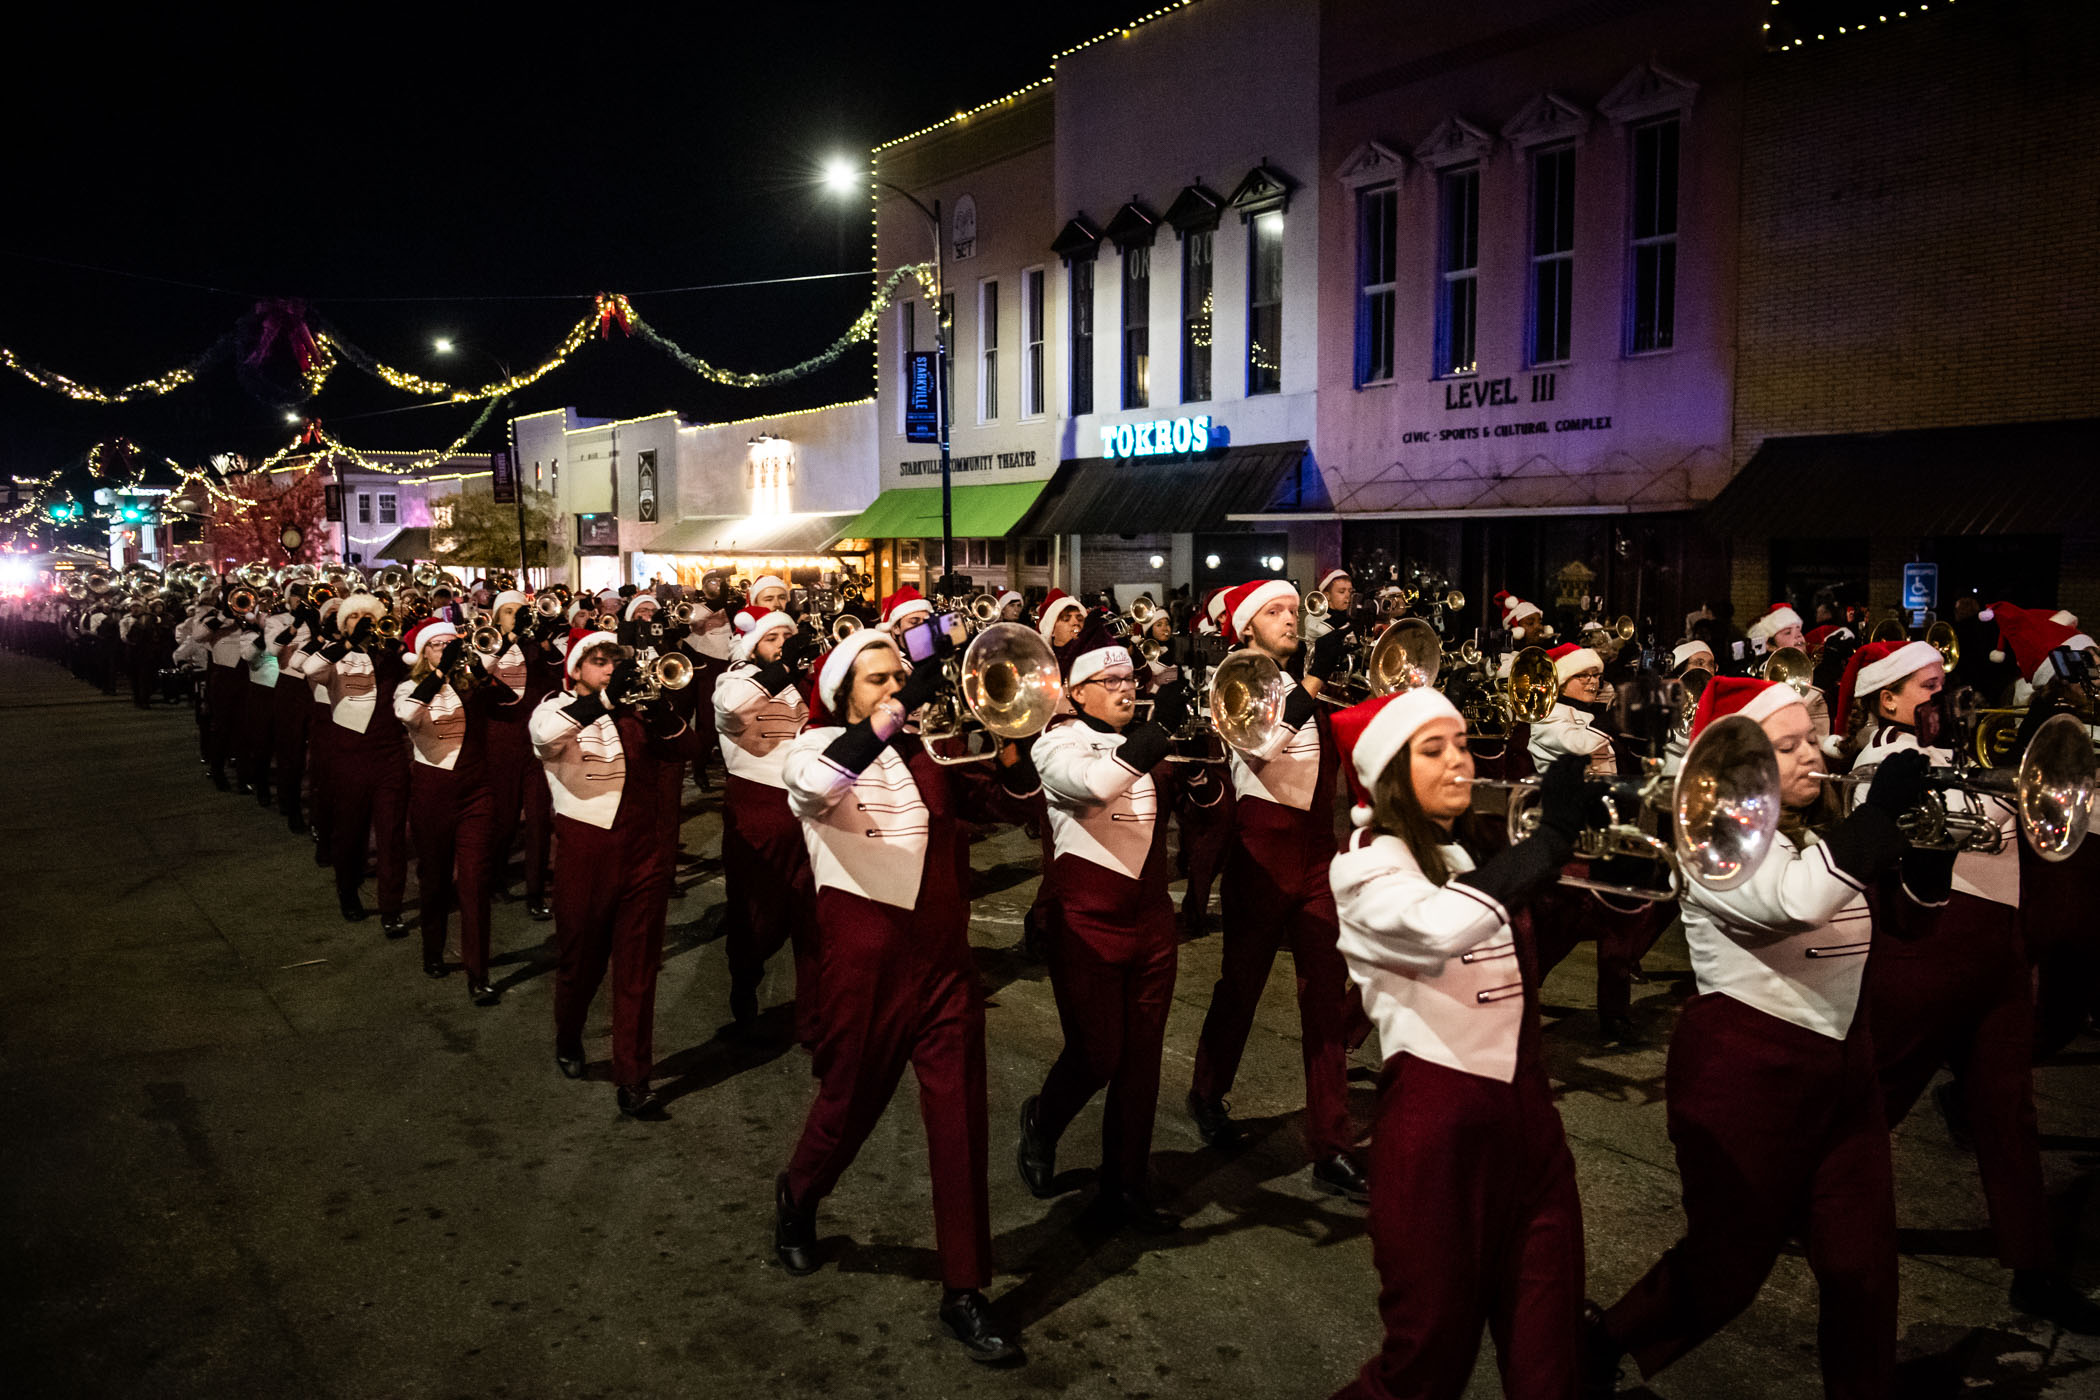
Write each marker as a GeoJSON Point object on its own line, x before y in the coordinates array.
{"type": "Point", "coordinates": [743, 1006]}
{"type": "Point", "coordinates": [538, 910]}
{"type": "Point", "coordinates": [1598, 1373]}
{"type": "Point", "coordinates": [263, 797]}
{"type": "Point", "coordinates": [1618, 1031]}
{"type": "Point", "coordinates": [218, 780]}
{"type": "Point", "coordinates": [1339, 1175]}
{"type": "Point", "coordinates": [1036, 1158]}
{"type": "Point", "coordinates": [394, 926]}
{"type": "Point", "coordinates": [435, 967]}
{"type": "Point", "coordinates": [2048, 1295]}
{"type": "Point", "coordinates": [482, 992]}
{"type": "Point", "coordinates": [1214, 1121]}
{"type": "Point", "coordinates": [794, 1231]}
{"type": "Point", "coordinates": [569, 1062]}
{"type": "Point", "coordinates": [353, 908]}
{"type": "Point", "coordinates": [639, 1101]}
{"type": "Point", "coordinates": [295, 820]}
{"type": "Point", "coordinates": [968, 1318]}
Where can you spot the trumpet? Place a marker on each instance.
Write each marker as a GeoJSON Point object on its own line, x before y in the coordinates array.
{"type": "Point", "coordinates": [485, 639]}
{"type": "Point", "coordinates": [2051, 795]}
{"type": "Point", "coordinates": [1133, 620]}
{"type": "Point", "coordinates": [684, 614]}
{"type": "Point", "coordinates": [1004, 684]}
{"type": "Point", "coordinates": [720, 592]}
{"type": "Point", "coordinates": [844, 626]}
{"type": "Point", "coordinates": [240, 600]}
{"type": "Point", "coordinates": [389, 627]}
{"type": "Point", "coordinates": [668, 671]}
{"type": "Point", "coordinates": [1724, 803]}
{"type": "Point", "coordinates": [549, 606]}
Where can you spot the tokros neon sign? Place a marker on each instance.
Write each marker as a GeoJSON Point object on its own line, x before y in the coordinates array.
{"type": "Point", "coordinates": [1162, 435]}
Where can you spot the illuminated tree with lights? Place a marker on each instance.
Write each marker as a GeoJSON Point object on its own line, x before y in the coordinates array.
{"type": "Point", "coordinates": [246, 518]}
{"type": "Point", "coordinates": [483, 534]}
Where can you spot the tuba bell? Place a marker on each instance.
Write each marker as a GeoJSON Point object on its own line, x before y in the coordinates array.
{"type": "Point", "coordinates": [1533, 687]}
{"type": "Point", "coordinates": [1005, 684]}
{"type": "Point", "coordinates": [1246, 700]}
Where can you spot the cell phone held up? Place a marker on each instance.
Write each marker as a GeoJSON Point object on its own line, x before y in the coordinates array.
{"type": "Point", "coordinates": [935, 637]}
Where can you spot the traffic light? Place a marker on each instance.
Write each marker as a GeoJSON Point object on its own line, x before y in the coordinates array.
{"type": "Point", "coordinates": [64, 512]}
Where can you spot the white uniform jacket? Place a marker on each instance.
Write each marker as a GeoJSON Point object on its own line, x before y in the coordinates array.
{"type": "Point", "coordinates": [867, 832]}
{"type": "Point", "coordinates": [507, 667]}
{"type": "Point", "coordinates": [586, 766]}
{"type": "Point", "coordinates": [1437, 964]}
{"type": "Point", "coordinates": [756, 725]}
{"type": "Point", "coordinates": [1101, 809]}
{"type": "Point", "coordinates": [1791, 940]}
{"type": "Point", "coordinates": [1287, 772]}
{"type": "Point", "coordinates": [1992, 877]}
{"type": "Point", "coordinates": [712, 642]}
{"type": "Point", "coordinates": [1566, 730]}
{"type": "Point", "coordinates": [436, 730]}
{"type": "Point", "coordinates": [352, 686]}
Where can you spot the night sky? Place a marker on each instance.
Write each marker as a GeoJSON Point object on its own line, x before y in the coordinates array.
{"type": "Point", "coordinates": [415, 179]}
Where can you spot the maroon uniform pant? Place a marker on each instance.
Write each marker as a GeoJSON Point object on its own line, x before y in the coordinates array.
{"type": "Point", "coordinates": [293, 701]}
{"type": "Point", "coordinates": [1206, 832]}
{"type": "Point", "coordinates": [1114, 986]}
{"type": "Point", "coordinates": [320, 798]}
{"type": "Point", "coordinates": [1474, 1223]}
{"type": "Point", "coordinates": [1276, 897]}
{"type": "Point", "coordinates": [1960, 995]}
{"type": "Point", "coordinates": [225, 695]}
{"type": "Point", "coordinates": [2057, 899]}
{"type": "Point", "coordinates": [450, 818]}
{"type": "Point", "coordinates": [768, 892]}
{"type": "Point", "coordinates": [368, 797]}
{"type": "Point", "coordinates": [706, 671]}
{"type": "Point", "coordinates": [1778, 1130]}
{"type": "Point", "coordinates": [511, 767]}
{"type": "Point", "coordinates": [258, 737]}
{"type": "Point", "coordinates": [1567, 916]}
{"type": "Point", "coordinates": [894, 992]}
{"type": "Point", "coordinates": [609, 914]}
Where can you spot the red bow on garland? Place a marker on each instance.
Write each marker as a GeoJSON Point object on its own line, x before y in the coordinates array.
{"type": "Point", "coordinates": [284, 320]}
{"type": "Point", "coordinates": [613, 310]}
{"type": "Point", "coordinates": [312, 433]}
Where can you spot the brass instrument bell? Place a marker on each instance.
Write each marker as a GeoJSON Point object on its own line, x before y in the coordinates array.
{"type": "Point", "coordinates": [1940, 635]}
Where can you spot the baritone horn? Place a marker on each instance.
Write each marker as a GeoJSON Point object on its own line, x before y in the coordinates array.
{"type": "Point", "coordinates": [1246, 700]}
{"type": "Point", "coordinates": [1005, 685]}
{"type": "Point", "coordinates": [1942, 639]}
{"type": "Point", "coordinates": [2051, 794]}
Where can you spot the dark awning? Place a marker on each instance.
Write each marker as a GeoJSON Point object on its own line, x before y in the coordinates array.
{"type": "Point", "coordinates": [406, 547]}
{"type": "Point", "coordinates": [1171, 495]}
{"type": "Point", "coordinates": [1997, 479]}
{"type": "Point", "coordinates": [748, 534]}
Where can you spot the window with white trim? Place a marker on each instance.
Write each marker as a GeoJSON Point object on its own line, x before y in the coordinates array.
{"type": "Point", "coordinates": [987, 351]}
{"type": "Point", "coordinates": [388, 510]}
{"type": "Point", "coordinates": [1265, 303]}
{"type": "Point", "coordinates": [1458, 265]}
{"type": "Point", "coordinates": [1081, 277]}
{"type": "Point", "coordinates": [1651, 319]}
{"type": "Point", "coordinates": [1137, 327]}
{"type": "Point", "coordinates": [364, 508]}
{"type": "Point", "coordinates": [1033, 355]}
{"type": "Point", "coordinates": [1196, 304]}
{"type": "Point", "coordinates": [1377, 286]}
{"type": "Point", "coordinates": [1552, 253]}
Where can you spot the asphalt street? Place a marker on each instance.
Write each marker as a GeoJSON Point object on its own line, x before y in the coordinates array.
{"type": "Point", "coordinates": [250, 1150]}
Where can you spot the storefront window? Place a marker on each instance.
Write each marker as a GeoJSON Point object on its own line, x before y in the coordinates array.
{"type": "Point", "coordinates": [1265, 304]}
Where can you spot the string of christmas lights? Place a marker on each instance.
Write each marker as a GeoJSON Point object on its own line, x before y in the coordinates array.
{"type": "Point", "coordinates": [158, 385]}
{"type": "Point", "coordinates": [863, 328]}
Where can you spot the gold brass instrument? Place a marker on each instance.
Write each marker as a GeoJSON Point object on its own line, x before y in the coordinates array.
{"type": "Point", "coordinates": [1790, 666]}
{"type": "Point", "coordinates": [485, 639]}
{"type": "Point", "coordinates": [241, 600]}
{"type": "Point", "coordinates": [720, 592]}
{"type": "Point", "coordinates": [1245, 700]}
{"type": "Point", "coordinates": [1889, 629]}
{"type": "Point", "coordinates": [667, 671]}
{"type": "Point", "coordinates": [844, 626]}
{"type": "Point", "coordinates": [1316, 604]}
{"type": "Point", "coordinates": [391, 577]}
{"type": "Point", "coordinates": [982, 608]}
{"type": "Point", "coordinates": [1724, 805]}
{"type": "Point", "coordinates": [1941, 636]}
{"type": "Point", "coordinates": [2052, 794]}
{"type": "Point", "coordinates": [1693, 684]}
{"type": "Point", "coordinates": [604, 622]}
{"type": "Point", "coordinates": [1003, 685]}
{"type": "Point", "coordinates": [429, 578]}
{"type": "Point", "coordinates": [549, 606]}
{"type": "Point", "coordinates": [1996, 733]}
{"type": "Point", "coordinates": [684, 614]}
{"type": "Point", "coordinates": [1533, 688]}
{"type": "Point", "coordinates": [1406, 654]}
{"type": "Point", "coordinates": [254, 573]}
{"type": "Point", "coordinates": [1133, 620]}
{"type": "Point", "coordinates": [389, 627]}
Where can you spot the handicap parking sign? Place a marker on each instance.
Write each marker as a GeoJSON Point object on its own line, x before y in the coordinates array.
{"type": "Point", "coordinates": [1921, 586]}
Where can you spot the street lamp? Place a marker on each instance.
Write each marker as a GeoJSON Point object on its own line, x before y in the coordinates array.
{"type": "Point", "coordinates": [445, 345]}
{"type": "Point", "coordinates": [843, 177]}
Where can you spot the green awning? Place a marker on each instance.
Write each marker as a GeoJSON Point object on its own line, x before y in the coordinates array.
{"type": "Point", "coordinates": [987, 511]}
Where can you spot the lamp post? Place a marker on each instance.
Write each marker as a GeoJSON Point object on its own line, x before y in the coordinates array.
{"type": "Point", "coordinates": [844, 177]}
{"type": "Point", "coordinates": [445, 346]}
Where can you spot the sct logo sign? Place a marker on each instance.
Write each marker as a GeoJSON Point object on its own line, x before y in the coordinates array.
{"type": "Point", "coordinates": [1157, 438]}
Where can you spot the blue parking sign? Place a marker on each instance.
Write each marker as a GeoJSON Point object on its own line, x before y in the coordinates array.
{"type": "Point", "coordinates": [1921, 586]}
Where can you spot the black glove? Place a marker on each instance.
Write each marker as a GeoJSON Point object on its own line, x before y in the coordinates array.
{"type": "Point", "coordinates": [775, 676]}
{"type": "Point", "coordinates": [1564, 797]}
{"type": "Point", "coordinates": [1927, 875]}
{"type": "Point", "coordinates": [658, 714]}
{"type": "Point", "coordinates": [335, 650]}
{"type": "Point", "coordinates": [427, 688]}
{"type": "Point", "coordinates": [1019, 778]}
{"type": "Point", "coordinates": [1299, 707]}
{"type": "Point", "coordinates": [626, 677]}
{"type": "Point", "coordinates": [1329, 654]}
{"type": "Point", "coordinates": [283, 636]}
{"type": "Point", "coordinates": [798, 650]}
{"type": "Point", "coordinates": [855, 749]}
{"type": "Point", "coordinates": [921, 685]}
{"type": "Point", "coordinates": [1144, 745]}
{"type": "Point", "coordinates": [587, 710]}
{"type": "Point", "coordinates": [1899, 783]}
{"type": "Point", "coordinates": [1170, 707]}
{"type": "Point", "coordinates": [449, 657]}
{"type": "Point", "coordinates": [363, 631]}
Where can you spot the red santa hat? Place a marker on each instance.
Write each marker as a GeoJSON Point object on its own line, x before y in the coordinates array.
{"type": "Point", "coordinates": [505, 599]}
{"type": "Point", "coordinates": [1101, 661]}
{"type": "Point", "coordinates": [1877, 666]}
{"type": "Point", "coordinates": [1329, 577]}
{"type": "Point", "coordinates": [1243, 602]}
{"type": "Point", "coordinates": [741, 623]}
{"type": "Point", "coordinates": [765, 581]}
{"type": "Point", "coordinates": [1777, 619]}
{"type": "Point", "coordinates": [1055, 603]}
{"type": "Point", "coordinates": [585, 640]}
{"type": "Point", "coordinates": [1515, 609]}
{"type": "Point", "coordinates": [1371, 735]}
{"type": "Point", "coordinates": [1747, 696]}
{"type": "Point", "coordinates": [838, 665]}
{"type": "Point", "coordinates": [1007, 596]}
{"type": "Point", "coordinates": [637, 603]}
{"type": "Point", "coordinates": [1204, 620]}
{"type": "Point", "coordinates": [1570, 661]}
{"type": "Point", "coordinates": [430, 629]}
{"type": "Point", "coordinates": [1823, 636]}
{"type": "Point", "coordinates": [2033, 638]}
{"type": "Point", "coordinates": [754, 628]}
{"type": "Point", "coordinates": [1685, 651]}
{"type": "Point", "coordinates": [902, 606]}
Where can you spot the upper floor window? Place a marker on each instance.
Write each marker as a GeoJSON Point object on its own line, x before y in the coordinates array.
{"type": "Point", "coordinates": [987, 351]}
{"type": "Point", "coordinates": [1265, 303]}
{"type": "Point", "coordinates": [1552, 253]}
{"type": "Point", "coordinates": [1376, 286]}
{"type": "Point", "coordinates": [1032, 357]}
{"type": "Point", "coordinates": [364, 508]}
{"type": "Point", "coordinates": [1652, 300]}
{"type": "Point", "coordinates": [1458, 262]}
{"type": "Point", "coordinates": [1082, 370]}
{"type": "Point", "coordinates": [1196, 305]}
{"type": "Point", "coordinates": [387, 508]}
{"type": "Point", "coordinates": [1137, 327]}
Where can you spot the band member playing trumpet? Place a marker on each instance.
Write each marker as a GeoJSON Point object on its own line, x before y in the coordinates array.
{"type": "Point", "coordinates": [289, 638]}
{"type": "Point", "coordinates": [444, 704]}
{"type": "Point", "coordinates": [513, 770]}
{"type": "Point", "coordinates": [230, 638]}
{"type": "Point", "coordinates": [897, 984]}
{"type": "Point", "coordinates": [758, 711]}
{"type": "Point", "coordinates": [1339, 591]}
{"type": "Point", "coordinates": [1474, 1216]}
{"type": "Point", "coordinates": [1276, 893]}
{"type": "Point", "coordinates": [603, 755]}
{"type": "Point", "coordinates": [1773, 1104]}
{"type": "Point", "coordinates": [367, 761]}
{"type": "Point", "coordinates": [1112, 936]}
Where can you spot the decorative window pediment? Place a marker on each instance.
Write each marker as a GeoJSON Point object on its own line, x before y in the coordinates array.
{"type": "Point", "coordinates": [1372, 163]}
{"type": "Point", "coordinates": [1453, 141]}
{"type": "Point", "coordinates": [1077, 241]}
{"type": "Point", "coordinates": [1648, 91]}
{"type": "Point", "coordinates": [1545, 119]}
{"type": "Point", "coordinates": [1196, 208]}
{"type": "Point", "coordinates": [1133, 227]}
{"type": "Point", "coordinates": [1265, 188]}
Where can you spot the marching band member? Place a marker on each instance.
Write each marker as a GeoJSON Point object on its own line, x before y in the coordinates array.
{"type": "Point", "coordinates": [1276, 893]}
{"type": "Point", "coordinates": [290, 637]}
{"type": "Point", "coordinates": [450, 809]}
{"type": "Point", "coordinates": [758, 710]}
{"type": "Point", "coordinates": [1011, 606]}
{"type": "Point", "coordinates": [904, 608]}
{"type": "Point", "coordinates": [1779, 627]}
{"type": "Point", "coordinates": [1340, 591]}
{"type": "Point", "coordinates": [513, 771]}
{"type": "Point", "coordinates": [887, 850]}
{"type": "Point", "coordinates": [1956, 989]}
{"type": "Point", "coordinates": [710, 638]}
{"type": "Point", "coordinates": [1523, 621]}
{"type": "Point", "coordinates": [1206, 832]}
{"type": "Point", "coordinates": [1576, 723]}
{"type": "Point", "coordinates": [602, 757]}
{"type": "Point", "coordinates": [1161, 671]}
{"type": "Point", "coordinates": [1773, 1105]}
{"type": "Point", "coordinates": [1112, 945]}
{"type": "Point", "coordinates": [320, 731]}
{"type": "Point", "coordinates": [1474, 1219]}
{"type": "Point", "coordinates": [1689, 655]}
{"type": "Point", "coordinates": [258, 740]}
{"type": "Point", "coordinates": [367, 761]}
{"type": "Point", "coordinates": [226, 685]}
